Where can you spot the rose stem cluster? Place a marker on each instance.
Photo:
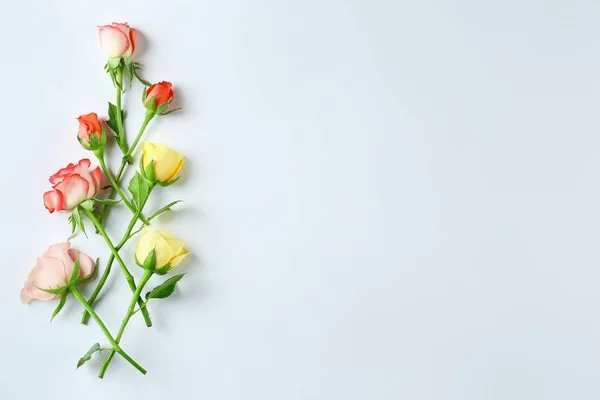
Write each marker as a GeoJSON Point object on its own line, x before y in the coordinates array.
{"type": "Point", "coordinates": [75, 189]}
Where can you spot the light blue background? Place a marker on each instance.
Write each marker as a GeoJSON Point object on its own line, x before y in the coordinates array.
{"type": "Point", "coordinates": [391, 200]}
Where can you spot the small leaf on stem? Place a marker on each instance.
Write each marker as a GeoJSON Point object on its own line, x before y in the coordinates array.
{"type": "Point", "coordinates": [112, 118]}
{"type": "Point", "coordinates": [165, 289]}
{"type": "Point", "coordinates": [164, 209]}
{"type": "Point", "coordinates": [88, 356]}
{"type": "Point", "coordinates": [139, 188]}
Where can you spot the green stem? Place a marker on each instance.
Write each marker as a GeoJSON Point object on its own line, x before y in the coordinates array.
{"type": "Point", "coordinates": [113, 342]}
{"type": "Point", "coordinates": [115, 253]}
{"type": "Point", "coordinates": [100, 156]}
{"type": "Point", "coordinates": [125, 160]}
{"type": "Point", "coordinates": [121, 130]}
{"type": "Point", "coordinates": [147, 119]}
{"type": "Point", "coordinates": [113, 191]}
{"type": "Point", "coordinates": [130, 312]}
{"type": "Point", "coordinates": [111, 259]}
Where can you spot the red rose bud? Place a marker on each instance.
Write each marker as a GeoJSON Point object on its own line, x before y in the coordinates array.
{"type": "Point", "coordinates": [158, 97]}
{"type": "Point", "coordinates": [91, 134]}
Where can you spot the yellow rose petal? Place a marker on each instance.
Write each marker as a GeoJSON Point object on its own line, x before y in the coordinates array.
{"type": "Point", "coordinates": [152, 240]}
{"type": "Point", "coordinates": [176, 244]}
{"type": "Point", "coordinates": [175, 261]}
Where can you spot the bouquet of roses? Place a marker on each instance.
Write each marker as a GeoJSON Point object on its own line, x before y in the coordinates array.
{"type": "Point", "coordinates": [76, 189]}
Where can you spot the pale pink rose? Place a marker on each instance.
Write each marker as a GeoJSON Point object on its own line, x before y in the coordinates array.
{"type": "Point", "coordinates": [53, 270]}
{"type": "Point", "coordinates": [72, 185]}
{"type": "Point", "coordinates": [117, 40]}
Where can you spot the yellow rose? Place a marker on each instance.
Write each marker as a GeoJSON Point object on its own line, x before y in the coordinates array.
{"type": "Point", "coordinates": [167, 162]}
{"type": "Point", "coordinates": [169, 250]}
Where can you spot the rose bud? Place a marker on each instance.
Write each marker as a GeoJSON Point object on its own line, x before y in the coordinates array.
{"type": "Point", "coordinates": [158, 97]}
{"type": "Point", "coordinates": [71, 186]}
{"type": "Point", "coordinates": [117, 40]}
{"type": "Point", "coordinates": [91, 134]}
{"type": "Point", "coordinates": [169, 251]}
{"type": "Point", "coordinates": [166, 163]}
{"type": "Point", "coordinates": [53, 271]}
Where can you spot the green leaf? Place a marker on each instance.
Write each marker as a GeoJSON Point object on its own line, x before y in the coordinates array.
{"type": "Point", "coordinates": [75, 273]}
{"type": "Point", "coordinates": [88, 356]}
{"type": "Point", "coordinates": [150, 261]}
{"type": "Point", "coordinates": [112, 118]}
{"type": "Point", "coordinates": [164, 209]}
{"type": "Point", "coordinates": [78, 220]}
{"type": "Point", "coordinates": [107, 202]}
{"type": "Point", "coordinates": [61, 303]}
{"type": "Point", "coordinates": [165, 289]}
{"type": "Point", "coordinates": [139, 189]}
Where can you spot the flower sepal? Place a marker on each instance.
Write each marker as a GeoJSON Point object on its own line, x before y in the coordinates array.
{"type": "Point", "coordinates": [95, 143]}
{"type": "Point", "coordinates": [113, 67]}
{"type": "Point", "coordinates": [150, 261]}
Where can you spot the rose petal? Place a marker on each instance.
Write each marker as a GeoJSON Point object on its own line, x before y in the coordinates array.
{"type": "Point", "coordinates": [61, 252]}
{"type": "Point", "coordinates": [175, 262]}
{"type": "Point", "coordinates": [53, 201]}
{"type": "Point", "coordinates": [48, 273]}
{"type": "Point", "coordinates": [113, 42]}
{"type": "Point", "coordinates": [84, 172]}
{"type": "Point", "coordinates": [132, 41]}
{"type": "Point", "coordinates": [74, 190]}
{"type": "Point", "coordinates": [24, 296]}
{"type": "Point", "coordinates": [97, 176]}
{"type": "Point", "coordinates": [131, 35]}
{"type": "Point", "coordinates": [61, 174]}
{"type": "Point", "coordinates": [176, 244]}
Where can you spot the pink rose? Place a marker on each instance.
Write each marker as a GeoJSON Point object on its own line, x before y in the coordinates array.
{"type": "Point", "coordinates": [117, 40]}
{"type": "Point", "coordinates": [53, 270]}
{"type": "Point", "coordinates": [72, 185]}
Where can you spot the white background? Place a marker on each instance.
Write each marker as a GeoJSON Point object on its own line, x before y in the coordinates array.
{"type": "Point", "coordinates": [384, 199]}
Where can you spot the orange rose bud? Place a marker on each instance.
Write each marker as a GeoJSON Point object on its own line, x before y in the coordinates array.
{"type": "Point", "coordinates": [91, 135]}
{"type": "Point", "coordinates": [158, 97]}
